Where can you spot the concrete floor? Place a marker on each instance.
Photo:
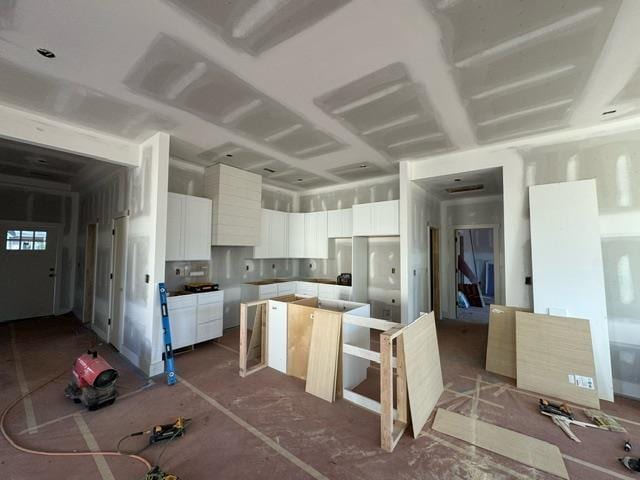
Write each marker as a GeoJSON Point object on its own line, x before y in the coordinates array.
{"type": "Point", "coordinates": [265, 426]}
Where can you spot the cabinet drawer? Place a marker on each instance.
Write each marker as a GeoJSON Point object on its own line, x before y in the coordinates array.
{"type": "Point", "coordinates": [210, 297]}
{"type": "Point", "coordinates": [308, 289]}
{"type": "Point", "coordinates": [267, 291]}
{"type": "Point", "coordinates": [287, 288]}
{"type": "Point", "coordinates": [210, 312]}
{"type": "Point", "coordinates": [182, 301]}
{"type": "Point", "coordinates": [208, 331]}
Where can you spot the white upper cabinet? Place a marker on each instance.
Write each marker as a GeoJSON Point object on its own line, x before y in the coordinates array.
{"type": "Point", "coordinates": [340, 223]}
{"type": "Point", "coordinates": [316, 240]}
{"type": "Point", "coordinates": [296, 235]}
{"type": "Point", "coordinates": [274, 235]}
{"type": "Point", "coordinates": [376, 219]}
{"type": "Point", "coordinates": [188, 228]}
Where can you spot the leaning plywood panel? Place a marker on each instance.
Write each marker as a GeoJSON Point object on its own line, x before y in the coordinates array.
{"type": "Point", "coordinates": [422, 364]}
{"type": "Point", "coordinates": [322, 367]}
{"type": "Point", "coordinates": [299, 324]}
{"type": "Point", "coordinates": [566, 257]}
{"type": "Point", "coordinates": [501, 343]}
{"type": "Point", "coordinates": [555, 358]}
{"type": "Point", "coordinates": [516, 446]}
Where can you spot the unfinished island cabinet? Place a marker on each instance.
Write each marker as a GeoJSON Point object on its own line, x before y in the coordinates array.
{"type": "Point", "coordinates": [237, 199]}
{"type": "Point", "coordinates": [188, 227]}
{"type": "Point", "coordinates": [376, 219]}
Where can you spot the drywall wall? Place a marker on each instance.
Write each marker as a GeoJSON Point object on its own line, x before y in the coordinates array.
{"type": "Point", "coordinates": [421, 211]}
{"type": "Point", "coordinates": [613, 159]}
{"type": "Point", "coordinates": [100, 204]}
{"type": "Point", "coordinates": [141, 193]}
{"type": "Point", "coordinates": [383, 252]}
{"type": "Point", "coordinates": [32, 204]}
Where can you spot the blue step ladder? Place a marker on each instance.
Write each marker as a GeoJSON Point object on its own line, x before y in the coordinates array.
{"type": "Point", "coordinates": [169, 366]}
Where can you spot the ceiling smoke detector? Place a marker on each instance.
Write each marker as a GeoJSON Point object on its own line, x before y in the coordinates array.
{"type": "Point", "coordinates": [465, 189]}
{"type": "Point", "coordinates": [46, 53]}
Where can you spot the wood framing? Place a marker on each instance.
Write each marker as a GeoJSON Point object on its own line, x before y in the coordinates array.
{"type": "Point", "coordinates": [262, 316]}
{"type": "Point", "coordinates": [391, 430]}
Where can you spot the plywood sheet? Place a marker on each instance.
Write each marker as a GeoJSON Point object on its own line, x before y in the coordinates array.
{"type": "Point", "coordinates": [516, 446]}
{"type": "Point", "coordinates": [501, 343]}
{"type": "Point", "coordinates": [555, 358]}
{"type": "Point", "coordinates": [422, 363]}
{"type": "Point", "coordinates": [299, 324]}
{"type": "Point", "coordinates": [322, 367]}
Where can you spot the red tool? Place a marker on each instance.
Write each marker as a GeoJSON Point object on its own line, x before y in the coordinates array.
{"type": "Point", "coordinates": [93, 381]}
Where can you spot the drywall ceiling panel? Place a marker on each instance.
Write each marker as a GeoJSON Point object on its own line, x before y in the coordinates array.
{"type": "Point", "coordinates": [380, 105]}
{"type": "Point", "coordinates": [300, 179]}
{"type": "Point", "coordinates": [514, 61]}
{"type": "Point", "coordinates": [245, 159]}
{"type": "Point", "coordinates": [258, 25]}
{"type": "Point", "coordinates": [306, 142]}
{"type": "Point", "coordinates": [507, 127]}
{"type": "Point", "coordinates": [76, 104]}
{"type": "Point", "coordinates": [630, 94]}
{"type": "Point", "coordinates": [273, 167]}
{"type": "Point", "coordinates": [179, 76]}
{"type": "Point", "coordinates": [358, 171]}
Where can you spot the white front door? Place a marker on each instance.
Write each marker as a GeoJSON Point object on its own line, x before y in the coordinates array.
{"type": "Point", "coordinates": [28, 267]}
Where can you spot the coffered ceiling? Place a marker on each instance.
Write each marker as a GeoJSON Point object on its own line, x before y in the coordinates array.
{"type": "Point", "coordinates": [311, 93]}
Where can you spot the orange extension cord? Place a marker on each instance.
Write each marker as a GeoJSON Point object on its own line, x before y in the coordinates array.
{"type": "Point", "coordinates": [62, 453]}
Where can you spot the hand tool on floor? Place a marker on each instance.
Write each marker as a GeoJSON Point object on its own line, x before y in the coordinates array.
{"type": "Point", "coordinates": [169, 366]}
{"type": "Point", "coordinates": [631, 463]}
{"type": "Point", "coordinates": [564, 419]}
{"type": "Point", "coordinates": [93, 381]}
{"type": "Point", "coordinates": [169, 431]}
{"type": "Point", "coordinates": [604, 420]}
{"type": "Point", "coordinates": [627, 445]}
{"type": "Point", "coordinates": [156, 474]}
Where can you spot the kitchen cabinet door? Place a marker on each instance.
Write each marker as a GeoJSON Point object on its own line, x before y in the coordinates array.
{"type": "Point", "coordinates": [197, 228]}
{"type": "Point", "coordinates": [362, 220]}
{"type": "Point", "coordinates": [277, 336]}
{"type": "Point", "coordinates": [296, 237]}
{"type": "Point", "coordinates": [175, 213]}
{"type": "Point", "coordinates": [385, 218]}
{"type": "Point", "coordinates": [262, 249]}
{"type": "Point", "coordinates": [183, 326]}
{"type": "Point", "coordinates": [278, 235]}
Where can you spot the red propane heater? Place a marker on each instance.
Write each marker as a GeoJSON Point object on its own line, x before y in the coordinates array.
{"type": "Point", "coordinates": [93, 381]}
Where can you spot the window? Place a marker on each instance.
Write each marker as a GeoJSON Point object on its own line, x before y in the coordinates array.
{"type": "Point", "coordinates": [26, 240]}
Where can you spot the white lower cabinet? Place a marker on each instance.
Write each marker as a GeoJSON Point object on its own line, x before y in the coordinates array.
{"type": "Point", "coordinates": [195, 318]}
{"type": "Point", "coordinates": [286, 288]}
{"type": "Point", "coordinates": [307, 289]}
{"type": "Point", "coordinates": [334, 292]}
{"type": "Point", "coordinates": [267, 291]}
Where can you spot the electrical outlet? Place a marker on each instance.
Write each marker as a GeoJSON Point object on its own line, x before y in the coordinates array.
{"type": "Point", "coordinates": [273, 265]}
{"type": "Point", "coordinates": [177, 271]}
{"type": "Point", "coordinates": [393, 270]}
{"type": "Point", "coordinates": [386, 313]}
{"type": "Point", "coordinates": [246, 267]}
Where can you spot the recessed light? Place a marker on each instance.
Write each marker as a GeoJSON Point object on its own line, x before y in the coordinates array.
{"type": "Point", "coordinates": [457, 179]}
{"type": "Point", "coordinates": [46, 53]}
{"type": "Point", "coordinates": [299, 180]}
{"type": "Point", "coordinates": [363, 165]}
{"type": "Point", "coordinates": [228, 155]}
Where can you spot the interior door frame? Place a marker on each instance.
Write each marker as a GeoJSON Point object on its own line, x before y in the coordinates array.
{"type": "Point", "coordinates": [497, 284]}
{"type": "Point", "coordinates": [112, 297]}
{"type": "Point", "coordinates": [90, 270]}
{"type": "Point", "coordinates": [59, 234]}
{"type": "Point", "coordinates": [435, 302]}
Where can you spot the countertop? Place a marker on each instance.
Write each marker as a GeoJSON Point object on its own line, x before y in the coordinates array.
{"type": "Point", "coordinates": [326, 281]}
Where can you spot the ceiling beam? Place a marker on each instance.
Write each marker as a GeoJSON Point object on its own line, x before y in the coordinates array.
{"type": "Point", "coordinates": [617, 63]}
{"type": "Point", "coordinates": [20, 126]}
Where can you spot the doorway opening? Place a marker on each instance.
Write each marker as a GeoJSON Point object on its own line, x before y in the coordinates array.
{"type": "Point", "coordinates": [475, 276]}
